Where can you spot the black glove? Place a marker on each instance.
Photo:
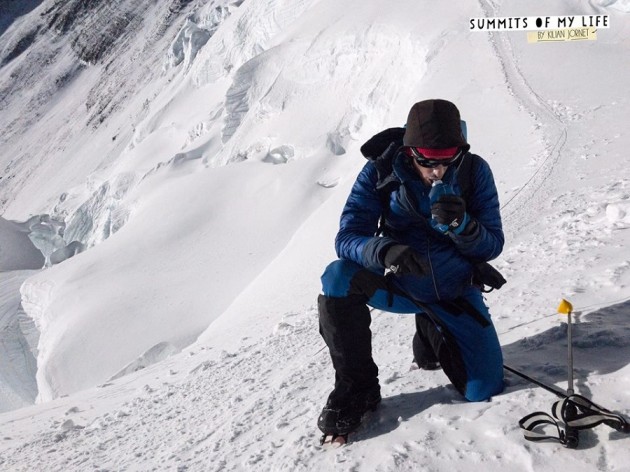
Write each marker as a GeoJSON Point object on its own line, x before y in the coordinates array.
{"type": "Point", "coordinates": [401, 260]}
{"type": "Point", "coordinates": [450, 210]}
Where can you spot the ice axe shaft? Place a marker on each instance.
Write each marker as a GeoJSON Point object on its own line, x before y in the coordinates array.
{"type": "Point", "coordinates": [571, 434]}
{"type": "Point", "coordinates": [566, 308]}
{"type": "Point", "coordinates": [570, 390]}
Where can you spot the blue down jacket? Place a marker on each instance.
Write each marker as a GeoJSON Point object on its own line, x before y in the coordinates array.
{"type": "Point", "coordinates": [450, 256]}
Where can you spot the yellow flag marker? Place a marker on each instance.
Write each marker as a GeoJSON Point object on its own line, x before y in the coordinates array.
{"type": "Point", "coordinates": [565, 307]}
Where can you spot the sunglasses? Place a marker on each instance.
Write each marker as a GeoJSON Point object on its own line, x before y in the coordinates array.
{"type": "Point", "coordinates": [424, 161]}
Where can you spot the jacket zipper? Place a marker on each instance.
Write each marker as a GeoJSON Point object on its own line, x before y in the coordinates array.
{"type": "Point", "coordinates": [437, 294]}
{"type": "Point", "coordinates": [413, 209]}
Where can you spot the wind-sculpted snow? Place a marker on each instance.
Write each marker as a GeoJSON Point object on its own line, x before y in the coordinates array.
{"type": "Point", "coordinates": [157, 353]}
{"type": "Point", "coordinates": [18, 347]}
{"type": "Point", "coordinates": [340, 69]}
{"type": "Point", "coordinates": [258, 24]}
{"type": "Point", "coordinates": [20, 258]}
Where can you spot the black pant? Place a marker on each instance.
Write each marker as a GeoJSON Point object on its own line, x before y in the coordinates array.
{"type": "Point", "coordinates": [344, 323]}
{"type": "Point", "coordinates": [458, 331]}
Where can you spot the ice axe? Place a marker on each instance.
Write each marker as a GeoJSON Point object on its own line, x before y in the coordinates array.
{"type": "Point", "coordinates": [574, 411]}
{"type": "Point", "coordinates": [571, 434]}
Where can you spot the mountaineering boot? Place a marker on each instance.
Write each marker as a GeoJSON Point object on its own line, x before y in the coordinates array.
{"type": "Point", "coordinates": [344, 323]}
{"type": "Point", "coordinates": [342, 416]}
{"type": "Point", "coordinates": [423, 353]}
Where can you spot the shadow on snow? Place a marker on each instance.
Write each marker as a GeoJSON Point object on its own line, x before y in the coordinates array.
{"type": "Point", "coordinates": [601, 345]}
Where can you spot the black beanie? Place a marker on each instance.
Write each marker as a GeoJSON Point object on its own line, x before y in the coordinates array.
{"type": "Point", "coordinates": [434, 124]}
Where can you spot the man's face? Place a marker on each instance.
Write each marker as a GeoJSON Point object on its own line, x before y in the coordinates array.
{"type": "Point", "coordinates": [432, 164]}
{"type": "Point", "coordinates": [428, 175]}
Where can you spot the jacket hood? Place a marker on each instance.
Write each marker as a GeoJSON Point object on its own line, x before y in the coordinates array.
{"type": "Point", "coordinates": [434, 124]}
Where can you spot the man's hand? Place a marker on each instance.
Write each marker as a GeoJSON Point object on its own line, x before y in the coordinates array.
{"type": "Point", "coordinates": [402, 260]}
{"type": "Point", "coordinates": [450, 210]}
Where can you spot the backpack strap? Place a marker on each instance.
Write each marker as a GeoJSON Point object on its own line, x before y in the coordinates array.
{"type": "Point", "coordinates": [461, 306]}
{"type": "Point", "coordinates": [387, 182]}
{"type": "Point", "coordinates": [377, 144]}
{"type": "Point", "coordinates": [381, 150]}
{"type": "Point", "coordinates": [465, 171]}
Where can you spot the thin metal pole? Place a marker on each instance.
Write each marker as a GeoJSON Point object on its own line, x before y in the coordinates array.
{"type": "Point", "coordinates": [570, 352]}
{"type": "Point", "coordinates": [572, 435]}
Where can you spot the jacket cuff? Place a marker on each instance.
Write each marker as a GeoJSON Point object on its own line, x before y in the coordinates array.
{"type": "Point", "coordinates": [464, 227]}
{"type": "Point", "coordinates": [374, 252]}
{"type": "Point", "coordinates": [469, 233]}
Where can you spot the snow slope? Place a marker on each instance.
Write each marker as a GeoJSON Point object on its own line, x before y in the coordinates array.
{"type": "Point", "coordinates": [201, 160]}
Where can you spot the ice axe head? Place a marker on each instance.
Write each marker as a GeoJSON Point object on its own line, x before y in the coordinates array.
{"type": "Point", "coordinates": [565, 307]}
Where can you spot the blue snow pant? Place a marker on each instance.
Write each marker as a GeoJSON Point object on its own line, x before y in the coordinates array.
{"type": "Point", "coordinates": [459, 332]}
